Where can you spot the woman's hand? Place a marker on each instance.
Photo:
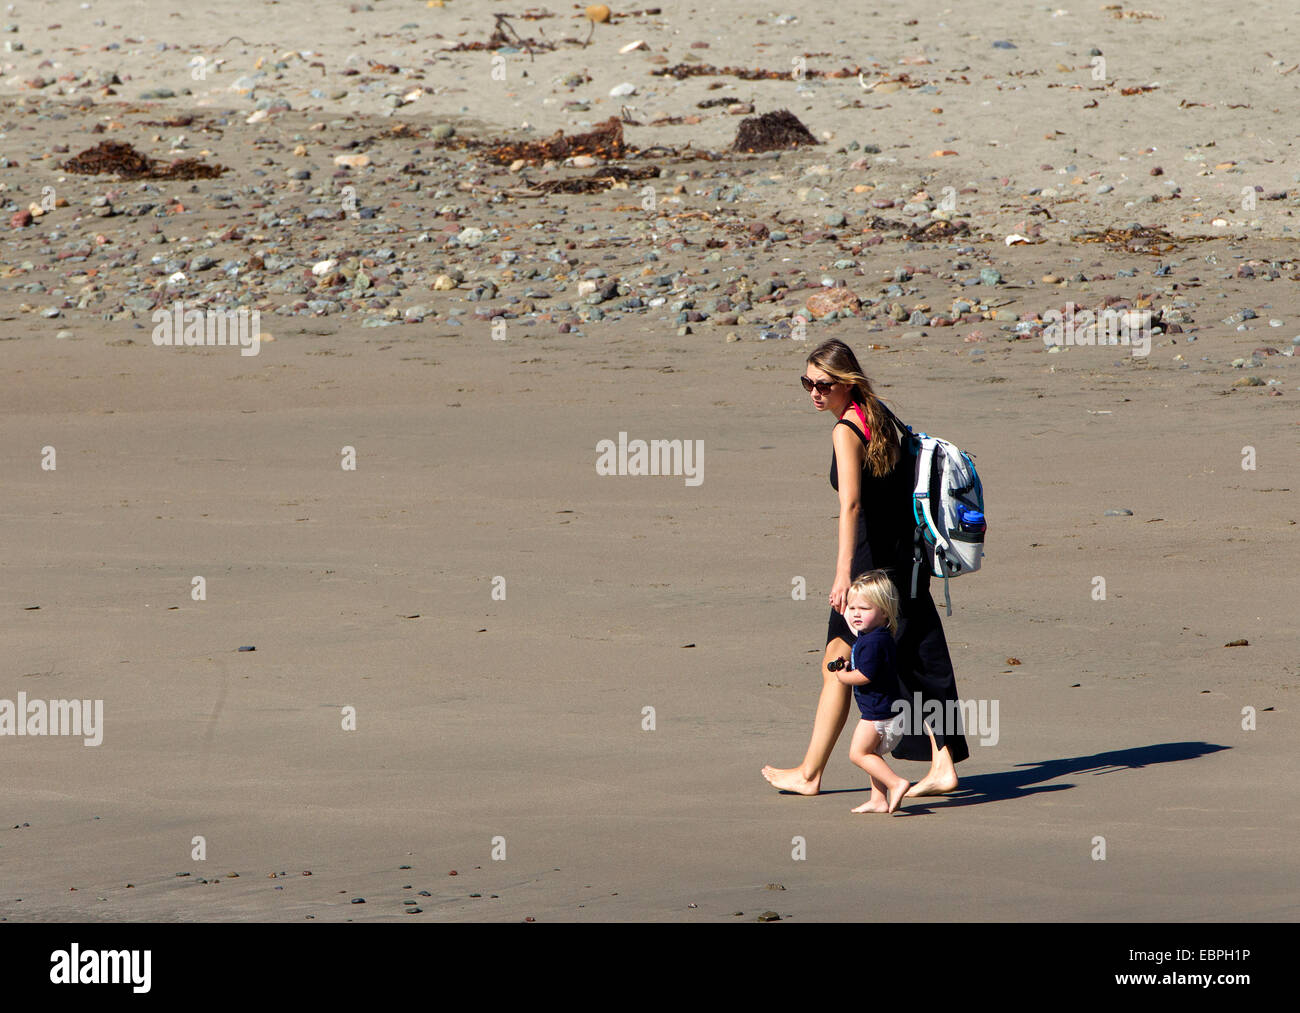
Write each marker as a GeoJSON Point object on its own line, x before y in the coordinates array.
{"type": "Point", "coordinates": [840, 592]}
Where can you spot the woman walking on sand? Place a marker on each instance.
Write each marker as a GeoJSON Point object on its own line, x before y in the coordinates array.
{"type": "Point", "coordinates": [873, 476]}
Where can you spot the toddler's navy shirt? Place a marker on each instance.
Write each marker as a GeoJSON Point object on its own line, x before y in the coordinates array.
{"type": "Point", "coordinates": [875, 657]}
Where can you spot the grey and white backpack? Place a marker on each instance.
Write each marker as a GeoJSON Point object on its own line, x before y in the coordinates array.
{"type": "Point", "coordinates": [948, 507]}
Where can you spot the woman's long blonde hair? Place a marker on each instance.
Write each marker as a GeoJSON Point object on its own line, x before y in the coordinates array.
{"type": "Point", "coordinates": [836, 360]}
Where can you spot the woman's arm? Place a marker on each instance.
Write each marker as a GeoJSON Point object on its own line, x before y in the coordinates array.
{"type": "Point", "coordinates": [848, 462]}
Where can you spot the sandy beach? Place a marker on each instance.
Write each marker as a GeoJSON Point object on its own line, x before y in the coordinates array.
{"type": "Point", "coordinates": [458, 637]}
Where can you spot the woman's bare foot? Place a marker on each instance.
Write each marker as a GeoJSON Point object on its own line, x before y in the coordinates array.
{"type": "Point", "coordinates": [873, 805]}
{"type": "Point", "coordinates": [933, 785]}
{"type": "Point", "coordinates": [896, 795]}
{"type": "Point", "coordinates": [941, 778]}
{"type": "Point", "coordinates": [792, 779]}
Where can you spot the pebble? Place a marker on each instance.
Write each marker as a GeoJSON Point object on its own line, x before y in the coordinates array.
{"type": "Point", "coordinates": [821, 304]}
{"type": "Point", "coordinates": [1119, 513]}
{"type": "Point", "coordinates": [281, 203]}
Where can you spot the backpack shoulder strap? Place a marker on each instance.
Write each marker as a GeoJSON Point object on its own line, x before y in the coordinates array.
{"type": "Point", "coordinates": [902, 426]}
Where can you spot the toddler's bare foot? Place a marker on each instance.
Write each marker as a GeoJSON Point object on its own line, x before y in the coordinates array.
{"type": "Point", "coordinates": [933, 786]}
{"type": "Point", "coordinates": [896, 795]}
{"type": "Point", "coordinates": [792, 779]}
{"type": "Point", "coordinates": [873, 805]}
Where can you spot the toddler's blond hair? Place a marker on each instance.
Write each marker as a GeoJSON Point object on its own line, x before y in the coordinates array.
{"type": "Point", "coordinates": [878, 589]}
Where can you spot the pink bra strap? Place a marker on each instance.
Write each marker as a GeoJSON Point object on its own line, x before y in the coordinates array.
{"type": "Point", "coordinates": [866, 429]}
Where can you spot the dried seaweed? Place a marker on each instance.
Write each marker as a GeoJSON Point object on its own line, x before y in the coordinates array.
{"type": "Point", "coordinates": [605, 141]}
{"type": "Point", "coordinates": [906, 80]}
{"type": "Point", "coordinates": [775, 131]}
{"type": "Point", "coordinates": [681, 71]}
{"type": "Point", "coordinates": [499, 38]}
{"type": "Point", "coordinates": [179, 121]}
{"type": "Point", "coordinates": [112, 158]}
{"type": "Point", "coordinates": [1152, 241]}
{"type": "Point", "coordinates": [938, 229]}
{"type": "Point", "coordinates": [599, 181]}
{"type": "Point", "coordinates": [400, 130]}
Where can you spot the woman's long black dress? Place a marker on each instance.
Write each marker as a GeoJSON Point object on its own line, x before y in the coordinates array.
{"type": "Point", "coordinates": [883, 540]}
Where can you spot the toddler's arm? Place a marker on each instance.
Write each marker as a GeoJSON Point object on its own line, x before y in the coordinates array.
{"type": "Point", "coordinates": [851, 677]}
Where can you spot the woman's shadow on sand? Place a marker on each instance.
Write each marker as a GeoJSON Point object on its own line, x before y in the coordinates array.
{"type": "Point", "coordinates": [1027, 778]}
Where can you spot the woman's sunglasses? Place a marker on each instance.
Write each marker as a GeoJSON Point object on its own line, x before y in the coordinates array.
{"type": "Point", "coordinates": [823, 386]}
